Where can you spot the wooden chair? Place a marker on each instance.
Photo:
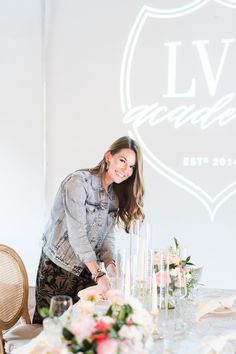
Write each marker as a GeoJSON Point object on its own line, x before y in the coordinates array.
{"type": "Point", "coordinates": [14, 291]}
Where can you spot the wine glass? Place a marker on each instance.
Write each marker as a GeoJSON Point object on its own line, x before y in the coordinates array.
{"type": "Point", "coordinates": [61, 306]}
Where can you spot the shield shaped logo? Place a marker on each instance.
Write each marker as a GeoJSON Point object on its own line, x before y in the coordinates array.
{"type": "Point", "coordinates": [178, 96]}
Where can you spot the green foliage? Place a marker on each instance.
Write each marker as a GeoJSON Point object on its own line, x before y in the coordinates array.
{"type": "Point", "coordinates": [67, 334]}
{"type": "Point", "coordinates": [44, 312]}
{"type": "Point", "coordinates": [177, 245]}
{"type": "Point", "coordinates": [185, 262]}
{"type": "Point", "coordinates": [125, 311]}
{"type": "Point", "coordinates": [120, 314]}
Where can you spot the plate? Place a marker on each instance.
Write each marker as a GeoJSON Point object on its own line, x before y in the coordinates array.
{"type": "Point", "coordinates": [223, 312]}
{"type": "Point", "coordinates": [82, 294]}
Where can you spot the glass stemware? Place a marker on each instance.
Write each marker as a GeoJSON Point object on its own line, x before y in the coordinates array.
{"type": "Point", "coordinates": [60, 311]}
{"type": "Point", "coordinates": [178, 290]}
{"type": "Point", "coordinates": [59, 304]}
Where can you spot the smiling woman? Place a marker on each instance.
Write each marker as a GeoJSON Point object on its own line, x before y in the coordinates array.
{"type": "Point", "coordinates": [119, 166]}
{"type": "Point", "coordinates": [80, 232]}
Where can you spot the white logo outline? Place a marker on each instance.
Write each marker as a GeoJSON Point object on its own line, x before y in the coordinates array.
{"type": "Point", "coordinates": [212, 204]}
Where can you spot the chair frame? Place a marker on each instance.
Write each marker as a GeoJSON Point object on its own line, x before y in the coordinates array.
{"type": "Point", "coordinates": [23, 311]}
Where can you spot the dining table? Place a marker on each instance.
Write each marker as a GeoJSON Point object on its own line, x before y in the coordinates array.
{"type": "Point", "coordinates": [212, 333]}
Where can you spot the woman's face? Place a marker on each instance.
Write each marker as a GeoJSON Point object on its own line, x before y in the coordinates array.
{"type": "Point", "coordinates": [120, 166]}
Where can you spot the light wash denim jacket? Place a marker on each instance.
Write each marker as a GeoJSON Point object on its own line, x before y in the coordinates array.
{"type": "Point", "coordinates": [82, 221]}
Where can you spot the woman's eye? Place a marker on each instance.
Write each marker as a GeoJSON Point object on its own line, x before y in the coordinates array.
{"type": "Point", "coordinates": [122, 160]}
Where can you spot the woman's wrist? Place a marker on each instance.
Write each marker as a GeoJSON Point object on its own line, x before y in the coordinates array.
{"type": "Point", "coordinates": [110, 262]}
{"type": "Point", "coordinates": [98, 274]}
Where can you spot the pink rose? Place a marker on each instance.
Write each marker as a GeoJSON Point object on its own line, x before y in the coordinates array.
{"type": "Point", "coordinates": [107, 346]}
{"type": "Point", "coordinates": [82, 327]}
{"type": "Point", "coordinates": [162, 278]}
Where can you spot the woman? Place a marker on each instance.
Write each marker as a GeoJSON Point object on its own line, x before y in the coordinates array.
{"type": "Point", "coordinates": [80, 232]}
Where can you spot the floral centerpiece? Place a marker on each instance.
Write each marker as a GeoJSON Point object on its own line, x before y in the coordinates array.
{"type": "Point", "coordinates": [122, 328]}
{"type": "Point", "coordinates": [174, 273]}
{"type": "Point", "coordinates": [177, 263]}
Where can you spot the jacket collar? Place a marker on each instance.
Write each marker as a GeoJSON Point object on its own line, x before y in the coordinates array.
{"type": "Point", "coordinates": [96, 182]}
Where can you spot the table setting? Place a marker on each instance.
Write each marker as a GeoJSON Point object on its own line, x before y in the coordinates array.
{"type": "Point", "coordinates": [156, 304]}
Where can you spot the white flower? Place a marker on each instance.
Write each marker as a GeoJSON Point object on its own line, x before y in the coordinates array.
{"type": "Point", "coordinates": [141, 318]}
{"type": "Point", "coordinates": [135, 304]}
{"type": "Point", "coordinates": [107, 319]}
{"type": "Point", "coordinates": [130, 332]}
{"type": "Point", "coordinates": [174, 272]}
{"type": "Point", "coordinates": [188, 276]}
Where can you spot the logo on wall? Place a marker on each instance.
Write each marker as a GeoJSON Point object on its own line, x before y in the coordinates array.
{"type": "Point", "coordinates": [178, 96]}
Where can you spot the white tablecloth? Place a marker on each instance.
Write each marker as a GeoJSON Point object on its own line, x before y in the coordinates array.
{"type": "Point", "coordinates": [211, 327]}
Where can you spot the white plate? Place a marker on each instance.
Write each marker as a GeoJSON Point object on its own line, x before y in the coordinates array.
{"type": "Point", "coordinates": [82, 294]}
{"type": "Point", "coordinates": [223, 312]}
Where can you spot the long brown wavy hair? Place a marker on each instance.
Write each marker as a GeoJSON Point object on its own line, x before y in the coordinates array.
{"type": "Point", "coordinates": [131, 191]}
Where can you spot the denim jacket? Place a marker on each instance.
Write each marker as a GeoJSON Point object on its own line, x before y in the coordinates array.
{"type": "Point", "coordinates": [82, 221]}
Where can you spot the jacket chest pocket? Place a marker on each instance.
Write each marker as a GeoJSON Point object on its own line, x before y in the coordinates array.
{"type": "Point", "coordinates": [92, 212]}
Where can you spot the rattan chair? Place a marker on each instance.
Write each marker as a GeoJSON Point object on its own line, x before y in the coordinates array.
{"type": "Point", "coordinates": [14, 302]}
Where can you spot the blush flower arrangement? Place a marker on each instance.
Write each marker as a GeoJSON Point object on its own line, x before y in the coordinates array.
{"type": "Point", "coordinates": [184, 265]}
{"type": "Point", "coordinates": [177, 266]}
{"type": "Point", "coordinates": [122, 329]}
{"type": "Point", "coordinates": [93, 327]}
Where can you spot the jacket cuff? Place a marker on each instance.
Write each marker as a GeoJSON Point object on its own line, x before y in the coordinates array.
{"type": "Point", "coordinates": [87, 257]}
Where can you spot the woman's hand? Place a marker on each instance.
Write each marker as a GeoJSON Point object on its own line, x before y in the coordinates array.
{"type": "Point", "coordinates": [103, 286]}
{"type": "Point", "coordinates": [111, 270]}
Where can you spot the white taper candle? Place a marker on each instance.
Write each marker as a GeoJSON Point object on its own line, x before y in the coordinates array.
{"type": "Point", "coordinates": [154, 294]}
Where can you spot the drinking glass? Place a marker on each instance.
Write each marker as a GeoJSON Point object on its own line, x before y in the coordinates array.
{"type": "Point", "coordinates": [178, 289]}
{"type": "Point", "coordinates": [164, 315]}
{"type": "Point", "coordinates": [61, 305]}
{"type": "Point", "coordinates": [160, 261]}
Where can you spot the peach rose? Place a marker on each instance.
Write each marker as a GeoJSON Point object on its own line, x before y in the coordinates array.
{"type": "Point", "coordinates": [174, 259]}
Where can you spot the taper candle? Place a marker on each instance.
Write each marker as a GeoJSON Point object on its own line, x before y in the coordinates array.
{"type": "Point", "coordinates": [127, 278]}
{"type": "Point", "coordinates": [154, 294]}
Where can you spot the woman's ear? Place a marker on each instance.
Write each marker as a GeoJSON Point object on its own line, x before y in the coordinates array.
{"type": "Point", "coordinates": [107, 156]}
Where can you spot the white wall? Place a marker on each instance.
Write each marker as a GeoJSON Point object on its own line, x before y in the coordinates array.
{"type": "Point", "coordinates": [21, 134]}
{"type": "Point", "coordinates": [103, 59]}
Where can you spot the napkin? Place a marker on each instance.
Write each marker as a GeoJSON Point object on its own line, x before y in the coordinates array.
{"type": "Point", "coordinates": [217, 344]}
{"type": "Point", "coordinates": [215, 304]}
